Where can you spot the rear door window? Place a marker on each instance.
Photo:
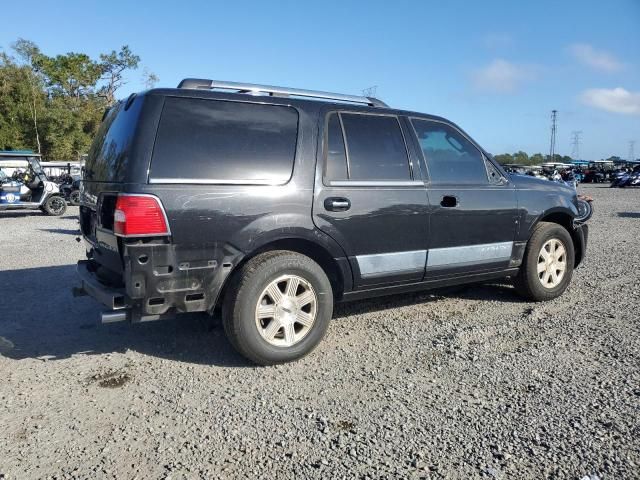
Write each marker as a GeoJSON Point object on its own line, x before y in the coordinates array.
{"type": "Point", "coordinates": [336, 164]}
{"type": "Point", "coordinates": [375, 148]}
{"type": "Point", "coordinates": [201, 140]}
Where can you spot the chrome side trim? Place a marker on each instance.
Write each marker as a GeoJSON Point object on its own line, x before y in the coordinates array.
{"type": "Point", "coordinates": [390, 263]}
{"type": "Point", "coordinates": [469, 254]}
{"type": "Point", "coordinates": [376, 183]}
{"type": "Point", "coordinates": [200, 181]}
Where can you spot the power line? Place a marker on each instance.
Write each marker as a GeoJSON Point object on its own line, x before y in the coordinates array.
{"type": "Point", "coordinates": [552, 147]}
{"type": "Point", "coordinates": [575, 144]}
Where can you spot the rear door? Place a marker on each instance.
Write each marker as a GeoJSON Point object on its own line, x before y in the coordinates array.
{"type": "Point", "coordinates": [370, 198]}
{"type": "Point", "coordinates": [473, 206]}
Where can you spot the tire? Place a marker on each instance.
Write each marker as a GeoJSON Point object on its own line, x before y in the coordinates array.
{"type": "Point", "coordinates": [74, 197]}
{"type": "Point", "coordinates": [55, 205]}
{"type": "Point", "coordinates": [585, 210]}
{"type": "Point", "coordinates": [529, 283]}
{"type": "Point", "coordinates": [248, 308]}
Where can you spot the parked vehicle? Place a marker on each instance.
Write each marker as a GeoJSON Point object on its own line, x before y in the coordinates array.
{"type": "Point", "coordinates": [28, 187]}
{"type": "Point", "coordinates": [273, 206]}
{"type": "Point", "coordinates": [626, 179]}
{"type": "Point", "coordinates": [70, 188]}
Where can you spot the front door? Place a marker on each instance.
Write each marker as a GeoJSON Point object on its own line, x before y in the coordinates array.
{"type": "Point", "coordinates": [473, 206]}
{"type": "Point", "coordinates": [370, 199]}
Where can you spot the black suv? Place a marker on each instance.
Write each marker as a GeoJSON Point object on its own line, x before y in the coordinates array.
{"type": "Point", "coordinates": [274, 203]}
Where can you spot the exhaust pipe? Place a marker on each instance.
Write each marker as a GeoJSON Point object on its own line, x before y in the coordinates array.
{"type": "Point", "coordinates": [113, 316]}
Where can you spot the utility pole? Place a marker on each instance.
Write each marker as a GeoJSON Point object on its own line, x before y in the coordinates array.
{"type": "Point", "coordinates": [552, 147]}
{"type": "Point", "coordinates": [575, 144]}
{"type": "Point", "coordinates": [632, 155]}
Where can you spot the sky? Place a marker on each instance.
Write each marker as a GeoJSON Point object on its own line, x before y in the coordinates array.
{"type": "Point", "coordinates": [496, 68]}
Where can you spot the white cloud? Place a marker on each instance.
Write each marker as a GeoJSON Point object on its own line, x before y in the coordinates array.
{"type": "Point", "coordinates": [617, 100]}
{"type": "Point", "coordinates": [501, 76]}
{"type": "Point", "coordinates": [597, 59]}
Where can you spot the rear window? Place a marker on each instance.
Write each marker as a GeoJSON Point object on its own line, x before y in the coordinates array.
{"type": "Point", "coordinates": [109, 154]}
{"type": "Point", "coordinates": [220, 141]}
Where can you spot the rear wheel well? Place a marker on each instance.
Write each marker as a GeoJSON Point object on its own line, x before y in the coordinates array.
{"type": "Point", "coordinates": [305, 247]}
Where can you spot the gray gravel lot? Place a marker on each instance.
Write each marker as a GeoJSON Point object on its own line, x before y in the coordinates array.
{"type": "Point", "coordinates": [466, 385]}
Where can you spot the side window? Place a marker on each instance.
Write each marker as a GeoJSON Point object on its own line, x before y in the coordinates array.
{"type": "Point", "coordinates": [451, 158]}
{"type": "Point", "coordinates": [375, 148]}
{"type": "Point", "coordinates": [223, 141]}
{"type": "Point", "coordinates": [495, 177]}
{"type": "Point", "coordinates": [336, 163]}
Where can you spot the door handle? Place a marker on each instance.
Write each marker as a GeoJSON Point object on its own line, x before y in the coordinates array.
{"type": "Point", "coordinates": [449, 201]}
{"type": "Point", "coordinates": [337, 204]}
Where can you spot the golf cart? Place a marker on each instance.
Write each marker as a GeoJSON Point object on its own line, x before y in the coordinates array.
{"type": "Point", "coordinates": [24, 185]}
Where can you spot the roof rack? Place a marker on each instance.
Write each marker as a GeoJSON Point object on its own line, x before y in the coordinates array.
{"type": "Point", "coordinates": [204, 84]}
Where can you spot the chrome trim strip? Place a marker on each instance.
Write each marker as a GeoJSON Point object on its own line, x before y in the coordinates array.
{"type": "Point", "coordinates": [375, 183]}
{"type": "Point", "coordinates": [469, 254]}
{"type": "Point", "coordinates": [391, 263]}
{"type": "Point", "coordinates": [200, 181]}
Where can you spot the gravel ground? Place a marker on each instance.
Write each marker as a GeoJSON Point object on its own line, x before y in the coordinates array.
{"type": "Point", "coordinates": [467, 385]}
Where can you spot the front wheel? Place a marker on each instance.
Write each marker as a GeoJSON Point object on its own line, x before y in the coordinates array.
{"type": "Point", "coordinates": [547, 265]}
{"type": "Point", "coordinates": [278, 307]}
{"type": "Point", "coordinates": [55, 205]}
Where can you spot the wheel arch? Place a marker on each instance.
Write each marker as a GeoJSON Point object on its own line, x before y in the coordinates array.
{"type": "Point", "coordinates": [339, 273]}
{"type": "Point", "coordinates": [565, 218]}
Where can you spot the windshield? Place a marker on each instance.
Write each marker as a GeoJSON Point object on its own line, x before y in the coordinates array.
{"type": "Point", "coordinates": [37, 169]}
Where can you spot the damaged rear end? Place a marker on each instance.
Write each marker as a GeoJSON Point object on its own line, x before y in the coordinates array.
{"type": "Point", "coordinates": [133, 266]}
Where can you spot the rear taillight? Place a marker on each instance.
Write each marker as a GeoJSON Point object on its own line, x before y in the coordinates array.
{"type": "Point", "coordinates": [139, 216]}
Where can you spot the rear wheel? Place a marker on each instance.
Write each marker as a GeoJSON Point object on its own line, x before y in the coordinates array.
{"type": "Point", "coordinates": [55, 205]}
{"type": "Point", "coordinates": [278, 307]}
{"type": "Point", "coordinates": [74, 197]}
{"type": "Point", "coordinates": [548, 262]}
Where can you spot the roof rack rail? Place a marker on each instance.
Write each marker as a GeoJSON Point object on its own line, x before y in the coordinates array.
{"type": "Point", "coordinates": [204, 84]}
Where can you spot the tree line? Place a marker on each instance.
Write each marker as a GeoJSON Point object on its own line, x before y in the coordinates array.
{"type": "Point", "coordinates": [53, 105]}
{"type": "Point", "coordinates": [522, 158]}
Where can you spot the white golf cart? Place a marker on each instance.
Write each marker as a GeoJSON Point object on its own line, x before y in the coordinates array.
{"type": "Point", "coordinates": [24, 185]}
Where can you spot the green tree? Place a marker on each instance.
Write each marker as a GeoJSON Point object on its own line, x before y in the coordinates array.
{"type": "Point", "coordinates": [504, 158]}
{"type": "Point", "coordinates": [521, 158]}
{"type": "Point", "coordinates": [54, 104]}
{"type": "Point", "coordinates": [536, 159]}
{"type": "Point", "coordinates": [112, 66]}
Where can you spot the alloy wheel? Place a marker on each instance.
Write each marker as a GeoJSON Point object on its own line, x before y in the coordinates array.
{"type": "Point", "coordinates": [286, 310]}
{"type": "Point", "coordinates": [552, 263]}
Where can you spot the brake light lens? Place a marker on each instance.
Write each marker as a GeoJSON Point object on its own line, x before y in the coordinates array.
{"type": "Point", "coordinates": [139, 216]}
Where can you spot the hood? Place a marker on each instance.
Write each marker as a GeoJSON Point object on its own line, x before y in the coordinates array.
{"type": "Point", "coordinates": [532, 183]}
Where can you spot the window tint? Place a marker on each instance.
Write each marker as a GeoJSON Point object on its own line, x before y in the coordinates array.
{"type": "Point", "coordinates": [451, 158]}
{"type": "Point", "coordinates": [111, 148]}
{"type": "Point", "coordinates": [336, 164]}
{"type": "Point", "coordinates": [375, 147]}
{"type": "Point", "coordinates": [217, 140]}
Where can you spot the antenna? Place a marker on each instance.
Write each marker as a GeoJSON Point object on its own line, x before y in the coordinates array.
{"type": "Point", "coordinates": [370, 91]}
{"type": "Point", "coordinates": [575, 144]}
{"type": "Point", "coordinates": [552, 147]}
{"type": "Point", "coordinates": [632, 156]}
